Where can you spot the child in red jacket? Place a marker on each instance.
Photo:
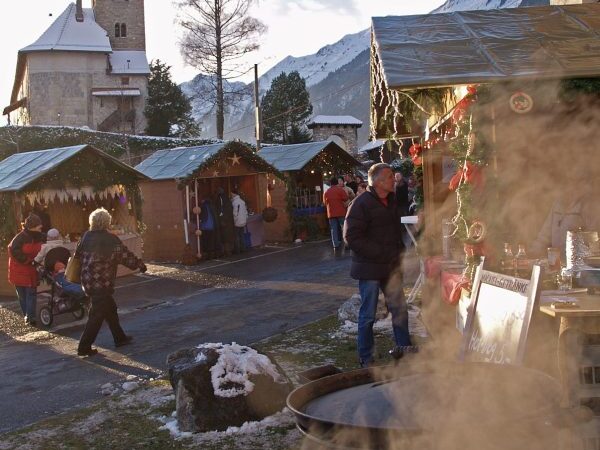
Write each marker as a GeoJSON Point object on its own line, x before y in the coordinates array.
{"type": "Point", "coordinates": [21, 272]}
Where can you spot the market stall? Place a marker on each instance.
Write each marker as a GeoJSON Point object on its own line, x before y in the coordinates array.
{"type": "Point", "coordinates": [63, 186]}
{"type": "Point", "coordinates": [503, 101]}
{"type": "Point", "coordinates": [300, 198]}
{"type": "Point", "coordinates": [182, 178]}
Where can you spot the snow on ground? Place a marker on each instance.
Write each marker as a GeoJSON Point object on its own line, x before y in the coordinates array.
{"type": "Point", "coordinates": [283, 418]}
{"type": "Point", "coordinates": [415, 325]}
{"type": "Point", "coordinates": [235, 364]}
{"type": "Point", "coordinates": [36, 336]}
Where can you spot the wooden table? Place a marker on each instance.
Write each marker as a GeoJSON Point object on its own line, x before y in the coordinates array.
{"type": "Point", "coordinates": [574, 323]}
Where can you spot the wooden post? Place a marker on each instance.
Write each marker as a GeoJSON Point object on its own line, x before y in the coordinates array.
{"type": "Point", "coordinates": [198, 253]}
{"type": "Point", "coordinates": [257, 109]}
{"type": "Point", "coordinates": [187, 213]}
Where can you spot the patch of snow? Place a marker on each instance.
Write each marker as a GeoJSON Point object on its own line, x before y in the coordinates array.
{"type": "Point", "coordinates": [200, 357]}
{"type": "Point", "coordinates": [415, 325]}
{"type": "Point", "coordinates": [131, 377]}
{"type": "Point", "coordinates": [235, 364]}
{"type": "Point", "coordinates": [171, 427]}
{"type": "Point", "coordinates": [282, 418]}
{"type": "Point", "coordinates": [36, 336]}
{"type": "Point", "coordinates": [129, 386]}
{"type": "Point", "coordinates": [349, 327]}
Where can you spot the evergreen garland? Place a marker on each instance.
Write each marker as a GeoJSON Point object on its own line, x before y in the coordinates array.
{"type": "Point", "coordinates": [240, 149]}
{"type": "Point", "coordinates": [572, 88]}
{"type": "Point", "coordinates": [8, 221]}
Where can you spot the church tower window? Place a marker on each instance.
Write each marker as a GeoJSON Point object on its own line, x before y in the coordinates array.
{"type": "Point", "coordinates": [123, 30]}
{"type": "Point", "coordinates": [117, 30]}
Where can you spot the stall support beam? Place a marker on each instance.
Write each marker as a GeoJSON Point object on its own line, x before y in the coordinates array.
{"type": "Point", "coordinates": [198, 253]}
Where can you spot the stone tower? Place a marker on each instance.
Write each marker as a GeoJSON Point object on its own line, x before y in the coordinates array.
{"type": "Point", "coordinates": [344, 127]}
{"type": "Point", "coordinates": [124, 22]}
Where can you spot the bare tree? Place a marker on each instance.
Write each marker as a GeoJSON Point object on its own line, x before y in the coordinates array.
{"type": "Point", "coordinates": [217, 34]}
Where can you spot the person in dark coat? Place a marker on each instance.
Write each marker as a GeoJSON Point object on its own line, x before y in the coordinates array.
{"type": "Point", "coordinates": [372, 231]}
{"type": "Point", "coordinates": [401, 194]}
{"type": "Point", "coordinates": [209, 242]}
{"type": "Point", "coordinates": [100, 253]}
{"type": "Point", "coordinates": [224, 212]}
{"type": "Point", "coordinates": [22, 251]}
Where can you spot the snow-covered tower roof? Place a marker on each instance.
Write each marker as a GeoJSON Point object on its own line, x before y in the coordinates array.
{"type": "Point", "coordinates": [334, 120]}
{"type": "Point", "coordinates": [68, 34]}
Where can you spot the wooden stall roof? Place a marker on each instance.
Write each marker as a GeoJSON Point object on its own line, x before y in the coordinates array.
{"type": "Point", "coordinates": [465, 47]}
{"type": "Point", "coordinates": [294, 157]}
{"type": "Point", "coordinates": [20, 170]}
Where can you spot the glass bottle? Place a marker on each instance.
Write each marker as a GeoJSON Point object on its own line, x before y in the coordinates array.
{"type": "Point", "coordinates": [508, 260]}
{"type": "Point", "coordinates": [521, 262]}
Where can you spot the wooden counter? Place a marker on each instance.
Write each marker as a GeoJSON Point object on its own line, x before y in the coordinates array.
{"type": "Point", "coordinates": [573, 355]}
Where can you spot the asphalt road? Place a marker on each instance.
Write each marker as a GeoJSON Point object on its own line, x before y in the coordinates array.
{"type": "Point", "coordinates": [266, 292]}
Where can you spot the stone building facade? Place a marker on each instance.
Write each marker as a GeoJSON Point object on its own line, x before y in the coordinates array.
{"type": "Point", "coordinates": [344, 127]}
{"type": "Point", "coordinates": [82, 72]}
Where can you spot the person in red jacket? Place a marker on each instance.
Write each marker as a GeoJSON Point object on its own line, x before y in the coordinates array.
{"type": "Point", "coordinates": [21, 273]}
{"type": "Point", "coordinates": [336, 201]}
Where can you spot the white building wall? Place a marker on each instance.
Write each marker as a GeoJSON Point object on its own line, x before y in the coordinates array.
{"type": "Point", "coordinates": [61, 85]}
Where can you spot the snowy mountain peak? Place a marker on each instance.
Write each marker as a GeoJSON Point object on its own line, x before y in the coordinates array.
{"type": "Point", "coordinates": [315, 68]}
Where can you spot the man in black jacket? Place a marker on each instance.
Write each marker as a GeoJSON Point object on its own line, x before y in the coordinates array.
{"type": "Point", "coordinates": [372, 231]}
{"type": "Point", "coordinates": [100, 253]}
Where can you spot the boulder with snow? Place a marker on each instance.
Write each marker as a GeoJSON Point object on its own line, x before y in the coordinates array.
{"type": "Point", "coordinates": [349, 309]}
{"type": "Point", "coordinates": [221, 385]}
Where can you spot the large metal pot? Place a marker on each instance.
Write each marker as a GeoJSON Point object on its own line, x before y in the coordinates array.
{"type": "Point", "coordinates": [430, 406]}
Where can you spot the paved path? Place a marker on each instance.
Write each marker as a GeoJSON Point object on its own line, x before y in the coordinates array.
{"type": "Point", "coordinates": [267, 292]}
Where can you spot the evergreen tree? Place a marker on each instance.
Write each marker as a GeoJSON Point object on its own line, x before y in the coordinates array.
{"type": "Point", "coordinates": [285, 109]}
{"type": "Point", "coordinates": [168, 111]}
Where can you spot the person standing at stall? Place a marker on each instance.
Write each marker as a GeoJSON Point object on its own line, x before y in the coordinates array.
{"type": "Point", "coordinates": [336, 199]}
{"type": "Point", "coordinates": [100, 253]}
{"type": "Point", "coordinates": [224, 210]}
{"type": "Point", "coordinates": [240, 219]}
{"type": "Point", "coordinates": [372, 231]}
{"type": "Point", "coordinates": [351, 182]}
{"type": "Point", "coordinates": [22, 251]}
{"type": "Point", "coordinates": [401, 194]}
{"type": "Point", "coordinates": [209, 241]}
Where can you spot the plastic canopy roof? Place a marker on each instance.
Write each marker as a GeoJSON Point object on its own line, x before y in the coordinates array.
{"type": "Point", "coordinates": [295, 156]}
{"type": "Point", "coordinates": [21, 169]}
{"type": "Point", "coordinates": [466, 47]}
{"type": "Point", "coordinates": [180, 162]}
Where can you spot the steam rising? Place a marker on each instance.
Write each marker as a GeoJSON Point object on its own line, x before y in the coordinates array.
{"type": "Point", "coordinates": [548, 155]}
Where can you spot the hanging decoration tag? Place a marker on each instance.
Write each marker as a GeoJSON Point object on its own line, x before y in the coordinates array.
{"type": "Point", "coordinates": [520, 102]}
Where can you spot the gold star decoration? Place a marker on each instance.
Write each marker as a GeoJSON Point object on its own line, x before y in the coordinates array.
{"type": "Point", "coordinates": [235, 159]}
{"type": "Point", "coordinates": [216, 173]}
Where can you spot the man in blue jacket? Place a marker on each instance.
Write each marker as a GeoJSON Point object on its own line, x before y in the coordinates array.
{"type": "Point", "coordinates": [372, 231]}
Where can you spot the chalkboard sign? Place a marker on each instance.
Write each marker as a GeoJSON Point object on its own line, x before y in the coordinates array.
{"type": "Point", "coordinates": [499, 316]}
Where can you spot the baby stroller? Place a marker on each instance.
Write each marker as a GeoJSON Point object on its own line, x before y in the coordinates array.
{"type": "Point", "coordinates": [57, 301]}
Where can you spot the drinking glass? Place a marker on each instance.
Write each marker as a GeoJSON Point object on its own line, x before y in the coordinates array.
{"type": "Point", "coordinates": [565, 279]}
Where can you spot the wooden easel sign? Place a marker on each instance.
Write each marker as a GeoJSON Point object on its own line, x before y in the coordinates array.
{"type": "Point", "coordinates": [499, 317]}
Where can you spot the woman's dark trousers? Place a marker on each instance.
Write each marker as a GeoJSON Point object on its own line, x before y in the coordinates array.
{"type": "Point", "coordinates": [103, 308]}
